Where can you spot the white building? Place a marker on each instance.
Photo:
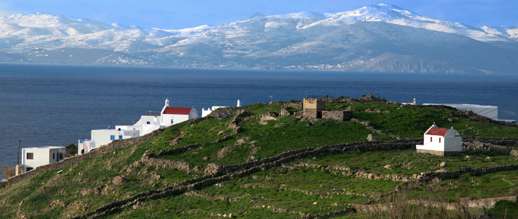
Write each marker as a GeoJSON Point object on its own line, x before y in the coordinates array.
{"type": "Point", "coordinates": [413, 103]}
{"type": "Point", "coordinates": [147, 124]}
{"type": "Point", "coordinates": [441, 141]}
{"type": "Point", "coordinates": [34, 157]}
{"type": "Point", "coordinates": [174, 115]}
{"type": "Point", "coordinates": [208, 111]}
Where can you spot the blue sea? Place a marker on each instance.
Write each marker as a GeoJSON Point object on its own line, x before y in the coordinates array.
{"type": "Point", "coordinates": [56, 105]}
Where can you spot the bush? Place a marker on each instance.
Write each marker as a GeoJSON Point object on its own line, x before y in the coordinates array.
{"type": "Point", "coordinates": [71, 150]}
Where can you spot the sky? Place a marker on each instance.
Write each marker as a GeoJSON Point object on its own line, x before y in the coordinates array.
{"type": "Point", "coordinates": [189, 13]}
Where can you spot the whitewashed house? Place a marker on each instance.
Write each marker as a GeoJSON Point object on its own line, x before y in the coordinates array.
{"type": "Point", "coordinates": [174, 115]}
{"type": "Point", "coordinates": [34, 157]}
{"type": "Point", "coordinates": [147, 124]}
{"type": "Point", "coordinates": [441, 141]}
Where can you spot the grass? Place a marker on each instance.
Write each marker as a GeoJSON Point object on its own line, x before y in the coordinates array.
{"type": "Point", "coordinates": [476, 187]}
{"type": "Point", "coordinates": [504, 209]}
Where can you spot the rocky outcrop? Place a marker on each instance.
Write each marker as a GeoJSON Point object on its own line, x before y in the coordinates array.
{"type": "Point", "coordinates": [240, 116]}
{"type": "Point", "coordinates": [267, 117]}
{"type": "Point", "coordinates": [222, 113]}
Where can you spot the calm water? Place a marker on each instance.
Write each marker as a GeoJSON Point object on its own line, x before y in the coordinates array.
{"type": "Point", "coordinates": [45, 105]}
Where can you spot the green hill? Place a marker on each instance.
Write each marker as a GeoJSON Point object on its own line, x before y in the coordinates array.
{"type": "Point", "coordinates": [266, 161]}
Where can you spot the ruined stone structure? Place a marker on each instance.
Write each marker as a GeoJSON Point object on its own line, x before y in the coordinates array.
{"type": "Point", "coordinates": [312, 108]}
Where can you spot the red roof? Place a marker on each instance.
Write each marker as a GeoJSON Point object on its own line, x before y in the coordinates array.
{"type": "Point", "coordinates": [177, 110]}
{"type": "Point", "coordinates": [437, 131]}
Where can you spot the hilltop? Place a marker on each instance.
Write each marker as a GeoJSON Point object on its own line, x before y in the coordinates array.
{"type": "Point", "coordinates": [265, 160]}
{"type": "Point", "coordinates": [375, 38]}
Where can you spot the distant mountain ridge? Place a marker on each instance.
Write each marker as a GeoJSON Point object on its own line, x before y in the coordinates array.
{"type": "Point", "coordinates": [377, 38]}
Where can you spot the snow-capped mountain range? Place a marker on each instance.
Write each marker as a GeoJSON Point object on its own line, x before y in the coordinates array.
{"type": "Point", "coordinates": [378, 38]}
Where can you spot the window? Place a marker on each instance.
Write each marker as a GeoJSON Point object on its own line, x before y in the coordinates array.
{"type": "Point", "coordinates": [112, 137]}
{"type": "Point", "coordinates": [30, 156]}
{"type": "Point", "coordinates": [440, 139]}
{"type": "Point", "coordinates": [431, 139]}
{"type": "Point", "coordinates": [60, 156]}
{"type": "Point", "coordinates": [172, 121]}
{"type": "Point", "coordinates": [148, 122]}
{"type": "Point", "coordinates": [53, 156]}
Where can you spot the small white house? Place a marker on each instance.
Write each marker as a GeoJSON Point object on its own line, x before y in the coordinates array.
{"type": "Point", "coordinates": [174, 115]}
{"type": "Point", "coordinates": [34, 157]}
{"type": "Point", "coordinates": [441, 141]}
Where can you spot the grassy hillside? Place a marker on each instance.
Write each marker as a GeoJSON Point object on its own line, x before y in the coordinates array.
{"type": "Point", "coordinates": [342, 183]}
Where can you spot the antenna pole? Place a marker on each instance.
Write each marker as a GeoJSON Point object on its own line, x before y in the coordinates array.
{"type": "Point", "coordinates": [19, 154]}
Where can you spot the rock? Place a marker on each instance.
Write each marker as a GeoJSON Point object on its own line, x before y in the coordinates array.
{"type": "Point", "coordinates": [370, 138]}
{"type": "Point", "coordinates": [118, 180]}
{"type": "Point", "coordinates": [514, 153]}
{"type": "Point", "coordinates": [467, 157]}
{"type": "Point", "coordinates": [267, 117]}
{"type": "Point", "coordinates": [442, 170]}
{"type": "Point", "coordinates": [85, 192]}
{"type": "Point", "coordinates": [388, 166]}
{"type": "Point", "coordinates": [284, 112]}
{"type": "Point", "coordinates": [221, 113]}
{"type": "Point", "coordinates": [241, 141]}
{"type": "Point", "coordinates": [488, 158]}
{"type": "Point", "coordinates": [224, 151]}
{"type": "Point", "coordinates": [212, 169]}
{"type": "Point", "coordinates": [442, 164]}
{"type": "Point", "coordinates": [57, 204]}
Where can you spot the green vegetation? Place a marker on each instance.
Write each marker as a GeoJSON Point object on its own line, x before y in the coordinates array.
{"type": "Point", "coordinates": [311, 186]}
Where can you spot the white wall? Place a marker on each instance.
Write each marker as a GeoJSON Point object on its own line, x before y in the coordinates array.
{"type": "Point", "coordinates": [42, 156]}
{"type": "Point", "coordinates": [84, 146]}
{"type": "Point", "coordinates": [102, 137]}
{"type": "Point", "coordinates": [147, 124]}
{"type": "Point", "coordinates": [432, 143]}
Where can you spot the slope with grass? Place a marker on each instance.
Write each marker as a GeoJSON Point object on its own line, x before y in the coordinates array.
{"type": "Point", "coordinates": [294, 168]}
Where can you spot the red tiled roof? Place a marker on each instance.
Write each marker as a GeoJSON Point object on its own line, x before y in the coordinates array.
{"type": "Point", "coordinates": [177, 110]}
{"type": "Point", "coordinates": [437, 131]}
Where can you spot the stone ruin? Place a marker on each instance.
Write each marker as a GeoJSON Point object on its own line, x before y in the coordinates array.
{"type": "Point", "coordinates": [337, 115]}
{"type": "Point", "coordinates": [312, 109]}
